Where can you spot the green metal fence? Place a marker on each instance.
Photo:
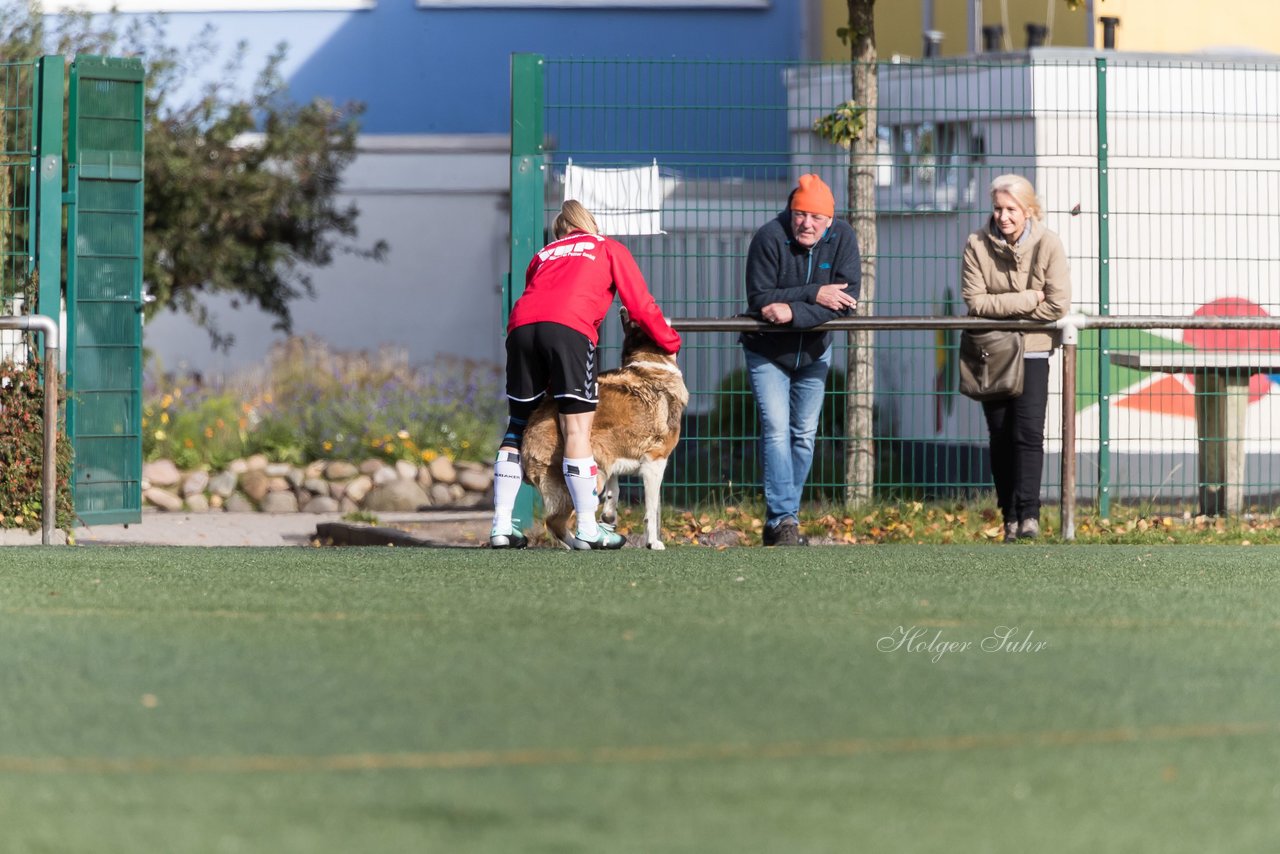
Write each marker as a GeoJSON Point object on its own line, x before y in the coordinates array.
{"type": "Point", "coordinates": [17, 165]}
{"type": "Point", "coordinates": [1161, 176]}
{"type": "Point", "coordinates": [31, 105]}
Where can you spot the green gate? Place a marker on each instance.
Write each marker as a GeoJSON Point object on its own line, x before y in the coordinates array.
{"type": "Point", "coordinates": [104, 287]}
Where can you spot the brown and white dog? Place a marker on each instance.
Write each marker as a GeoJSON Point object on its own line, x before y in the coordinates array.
{"type": "Point", "coordinates": [636, 427]}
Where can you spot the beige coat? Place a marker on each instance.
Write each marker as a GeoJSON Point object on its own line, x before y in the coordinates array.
{"type": "Point", "coordinates": [998, 280]}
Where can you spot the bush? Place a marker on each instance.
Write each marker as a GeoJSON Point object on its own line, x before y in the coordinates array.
{"type": "Point", "coordinates": [193, 426]}
{"type": "Point", "coordinates": [22, 452]}
{"type": "Point", "coordinates": [310, 403]}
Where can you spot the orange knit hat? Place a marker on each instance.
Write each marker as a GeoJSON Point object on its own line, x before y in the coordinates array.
{"type": "Point", "coordinates": [813, 196]}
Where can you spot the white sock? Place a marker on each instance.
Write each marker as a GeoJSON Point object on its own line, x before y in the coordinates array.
{"type": "Point", "coordinates": [580, 478]}
{"type": "Point", "coordinates": [506, 486]}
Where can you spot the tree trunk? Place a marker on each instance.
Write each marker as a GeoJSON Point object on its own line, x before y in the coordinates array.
{"type": "Point", "coordinates": [860, 451]}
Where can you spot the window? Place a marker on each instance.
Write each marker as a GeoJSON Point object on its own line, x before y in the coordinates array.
{"type": "Point", "coordinates": [210, 5]}
{"type": "Point", "coordinates": [934, 165]}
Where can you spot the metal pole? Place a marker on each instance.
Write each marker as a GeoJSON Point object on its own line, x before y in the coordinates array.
{"type": "Point", "coordinates": [528, 202]}
{"type": "Point", "coordinates": [49, 466]}
{"type": "Point", "coordinates": [48, 263]}
{"type": "Point", "coordinates": [1067, 501]}
{"type": "Point", "coordinates": [975, 27]}
{"type": "Point", "coordinates": [746, 324]}
{"type": "Point", "coordinates": [1104, 295]}
{"type": "Point", "coordinates": [528, 169]}
{"type": "Point", "coordinates": [1148, 321]}
{"type": "Point", "coordinates": [907, 322]}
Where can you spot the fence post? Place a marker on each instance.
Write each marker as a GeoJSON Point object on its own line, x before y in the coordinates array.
{"type": "Point", "coordinates": [528, 200]}
{"type": "Point", "coordinates": [1067, 501]}
{"type": "Point", "coordinates": [48, 242]}
{"type": "Point", "coordinates": [528, 168]}
{"type": "Point", "coordinates": [51, 73]}
{"type": "Point", "coordinates": [1104, 298]}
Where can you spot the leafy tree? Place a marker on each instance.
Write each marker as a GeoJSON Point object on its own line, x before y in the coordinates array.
{"type": "Point", "coordinates": [853, 126]}
{"type": "Point", "coordinates": [241, 187]}
{"type": "Point", "coordinates": [860, 455]}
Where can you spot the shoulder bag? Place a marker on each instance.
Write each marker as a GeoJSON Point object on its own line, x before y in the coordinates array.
{"type": "Point", "coordinates": [991, 364]}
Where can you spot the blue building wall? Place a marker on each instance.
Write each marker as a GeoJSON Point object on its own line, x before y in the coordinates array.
{"type": "Point", "coordinates": [447, 70]}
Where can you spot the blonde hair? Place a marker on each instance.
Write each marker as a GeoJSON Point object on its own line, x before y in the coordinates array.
{"type": "Point", "coordinates": [574, 217]}
{"type": "Point", "coordinates": [1021, 191]}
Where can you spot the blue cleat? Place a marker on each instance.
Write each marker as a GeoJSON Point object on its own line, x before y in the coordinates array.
{"type": "Point", "coordinates": [607, 539]}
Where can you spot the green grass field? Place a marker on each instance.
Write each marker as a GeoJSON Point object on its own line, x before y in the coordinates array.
{"type": "Point", "coordinates": [746, 700]}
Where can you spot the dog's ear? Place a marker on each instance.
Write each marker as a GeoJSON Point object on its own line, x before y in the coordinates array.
{"type": "Point", "coordinates": [624, 315]}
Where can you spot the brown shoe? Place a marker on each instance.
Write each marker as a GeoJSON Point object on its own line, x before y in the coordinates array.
{"type": "Point", "coordinates": [1028, 529]}
{"type": "Point", "coordinates": [1010, 532]}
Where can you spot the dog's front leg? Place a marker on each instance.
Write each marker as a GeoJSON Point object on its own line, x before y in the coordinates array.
{"type": "Point", "coordinates": [609, 501]}
{"type": "Point", "coordinates": [651, 472]}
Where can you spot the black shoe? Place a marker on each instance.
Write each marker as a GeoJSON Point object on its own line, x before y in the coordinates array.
{"type": "Point", "coordinates": [508, 540]}
{"type": "Point", "coordinates": [785, 534]}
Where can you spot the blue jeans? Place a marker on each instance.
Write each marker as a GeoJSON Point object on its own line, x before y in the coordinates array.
{"type": "Point", "coordinates": [789, 403]}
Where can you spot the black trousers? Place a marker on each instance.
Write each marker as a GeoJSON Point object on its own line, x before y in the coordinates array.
{"type": "Point", "coordinates": [1017, 443]}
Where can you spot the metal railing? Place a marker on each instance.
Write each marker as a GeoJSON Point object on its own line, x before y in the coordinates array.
{"type": "Point", "coordinates": [1070, 327]}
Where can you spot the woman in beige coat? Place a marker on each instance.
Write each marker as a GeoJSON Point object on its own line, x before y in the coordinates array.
{"type": "Point", "coordinates": [1015, 268]}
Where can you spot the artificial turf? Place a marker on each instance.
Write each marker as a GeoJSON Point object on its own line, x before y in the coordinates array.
{"type": "Point", "coordinates": [805, 700]}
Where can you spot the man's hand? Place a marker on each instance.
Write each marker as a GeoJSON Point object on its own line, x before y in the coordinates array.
{"type": "Point", "coordinates": [777, 312]}
{"type": "Point", "coordinates": [835, 297]}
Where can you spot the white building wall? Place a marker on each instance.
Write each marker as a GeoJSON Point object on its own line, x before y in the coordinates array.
{"type": "Point", "coordinates": [1194, 201]}
{"type": "Point", "coordinates": [441, 204]}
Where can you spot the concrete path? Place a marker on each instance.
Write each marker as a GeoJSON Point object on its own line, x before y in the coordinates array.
{"type": "Point", "coordinates": [266, 529]}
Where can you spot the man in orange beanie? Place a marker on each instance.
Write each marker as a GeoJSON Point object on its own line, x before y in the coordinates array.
{"type": "Point", "coordinates": [803, 269]}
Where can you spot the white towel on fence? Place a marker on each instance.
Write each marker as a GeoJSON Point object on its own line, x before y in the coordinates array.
{"type": "Point", "coordinates": [623, 200]}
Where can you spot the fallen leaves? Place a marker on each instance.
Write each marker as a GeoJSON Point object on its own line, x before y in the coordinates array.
{"type": "Point", "coordinates": [914, 521]}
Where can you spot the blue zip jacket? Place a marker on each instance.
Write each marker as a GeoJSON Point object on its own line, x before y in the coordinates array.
{"type": "Point", "coordinates": [781, 270]}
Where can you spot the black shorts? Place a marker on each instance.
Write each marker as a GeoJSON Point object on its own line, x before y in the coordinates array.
{"type": "Point", "coordinates": [544, 357]}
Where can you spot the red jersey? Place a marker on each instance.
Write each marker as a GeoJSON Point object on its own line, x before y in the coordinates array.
{"type": "Point", "coordinates": [572, 281]}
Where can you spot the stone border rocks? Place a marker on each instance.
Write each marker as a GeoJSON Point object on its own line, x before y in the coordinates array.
{"type": "Point", "coordinates": [325, 486]}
